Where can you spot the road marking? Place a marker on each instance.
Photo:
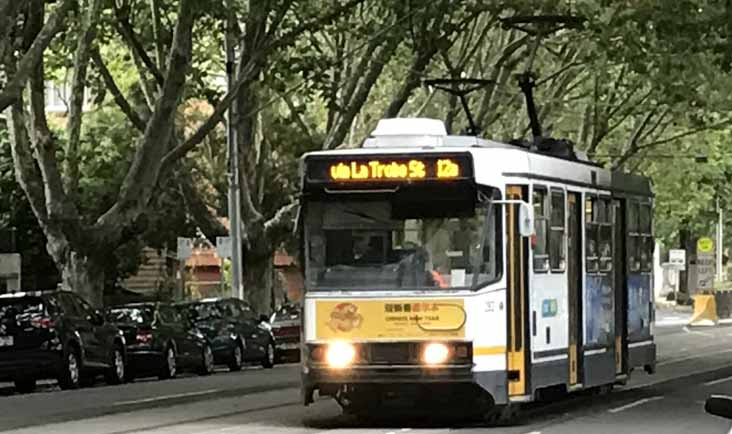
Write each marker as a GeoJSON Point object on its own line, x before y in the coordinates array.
{"type": "Point", "coordinates": [534, 432]}
{"type": "Point", "coordinates": [634, 404]}
{"type": "Point", "coordinates": [696, 356]}
{"type": "Point", "coordinates": [405, 429]}
{"type": "Point", "coordinates": [696, 332]}
{"type": "Point", "coordinates": [165, 397]}
{"type": "Point", "coordinates": [721, 380]}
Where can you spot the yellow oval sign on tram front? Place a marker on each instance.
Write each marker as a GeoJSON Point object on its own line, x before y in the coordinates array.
{"type": "Point", "coordinates": [704, 245]}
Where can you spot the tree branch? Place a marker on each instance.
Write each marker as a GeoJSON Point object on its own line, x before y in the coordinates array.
{"type": "Point", "coordinates": [632, 145]}
{"type": "Point", "coordinates": [9, 13]}
{"type": "Point", "coordinates": [422, 58]}
{"type": "Point", "coordinates": [282, 221]}
{"type": "Point", "coordinates": [124, 28]}
{"type": "Point", "coordinates": [353, 106]}
{"type": "Point", "coordinates": [199, 209]}
{"type": "Point", "coordinates": [34, 55]}
{"type": "Point", "coordinates": [297, 116]}
{"type": "Point", "coordinates": [42, 140]}
{"type": "Point", "coordinates": [142, 176]}
{"type": "Point", "coordinates": [688, 133]}
{"type": "Point", "coordinates": [26, 170]}
{"type": "Point", "coordinates": [317, 22]}
{"type": "Point", "coordinates": [157, 40]}
{"type": "Point", "coordinates": [210, 123]}
{"type": "Point", "coordinates": [78, 91]}
{"type": "Point", "coordinates": [119, 98]}
{"type": "Point", "coordinates": [246, 74]}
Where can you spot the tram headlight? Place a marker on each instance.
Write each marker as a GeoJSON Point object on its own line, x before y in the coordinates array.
{"type": "Point", "coordinates": [435, 353]}
{"type": "Point", "coordinates": [340, 355]}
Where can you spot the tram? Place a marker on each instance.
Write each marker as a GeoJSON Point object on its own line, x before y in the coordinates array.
{"type": "Point", "coordinates": [453, 266]}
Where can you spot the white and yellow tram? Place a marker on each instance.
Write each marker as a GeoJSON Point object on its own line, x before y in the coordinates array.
{"type": "Point", "coordinates": [458, 264]}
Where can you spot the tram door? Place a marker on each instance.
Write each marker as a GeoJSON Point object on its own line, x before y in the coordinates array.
{"type": "Point", "coordinates": [517, 344]}
{"type": "Point", "coordinates": [574, 274]}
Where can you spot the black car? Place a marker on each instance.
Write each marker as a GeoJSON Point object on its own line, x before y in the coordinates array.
{"type": "Point", "coordinates": [58, 335]}
{"type": "Point", "coordinates": [160, 342]}
{"type": "Point", "coordinates": [286, 330]}
{"type": "Point", "coordinates": [236, 333]}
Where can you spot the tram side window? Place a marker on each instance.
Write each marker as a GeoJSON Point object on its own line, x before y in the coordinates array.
{"type": "Point", "coordinates": [634, 239]}
{"type": "Point", "coordinates": [645, 239]}
{"type": "Point", "coordinates": [591, 229]}
{"type": "Point", "coordinates": [556, 234]}
{"type": "Point", "coordinates": [541, 221]}
{"type": "Point", "coordinates": [605, 220]}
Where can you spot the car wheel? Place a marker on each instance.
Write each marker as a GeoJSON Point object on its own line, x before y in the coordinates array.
{"type": "Point", "coordinates": [70, 371]}
{"type": "Point", "coordinates": [25, 385]}
{"type": "Point", "coordinates": [169, 368]}
{"type": "Point", "coordinates": [207, 361]}
{"type": "Point", "coordinates": [116, 372]}
{"type": "Point", "coordinates": [237, 357]}
{"type": "Point", "coordinates": [269, 356]}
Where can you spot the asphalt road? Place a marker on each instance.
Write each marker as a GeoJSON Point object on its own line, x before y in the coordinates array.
{"type": "Point", "coordinates": [693, 363]}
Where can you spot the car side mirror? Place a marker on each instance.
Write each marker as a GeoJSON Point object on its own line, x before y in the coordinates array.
{"type": "Point", "coordinates": [719, 405]}
{"type": "Point", "coordinates": [526, 220]}
{"type": "Point", "coordinates": [525, 216]}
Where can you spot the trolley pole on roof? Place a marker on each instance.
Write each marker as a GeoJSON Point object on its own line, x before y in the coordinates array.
{"type": "Point", "coordinates": [233, 151]}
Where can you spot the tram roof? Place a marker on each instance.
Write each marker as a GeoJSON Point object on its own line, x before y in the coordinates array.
{"type": "Point", "coordinates": [494, 160]}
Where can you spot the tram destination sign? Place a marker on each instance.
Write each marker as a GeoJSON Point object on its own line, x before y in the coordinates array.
{"type": "Point", "coordinates": [389, 168]}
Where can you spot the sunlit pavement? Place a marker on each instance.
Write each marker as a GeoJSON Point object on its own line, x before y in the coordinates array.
{"type": "Point", "coordinates": [693, 363]}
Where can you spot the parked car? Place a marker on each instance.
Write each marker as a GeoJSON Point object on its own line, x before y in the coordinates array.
{"type": "Point", "coordinates": [57, 334]}
{"type": "Point", "coordinates": [160, 342]}
{"type": "Point", "coordinates": [286, 330]}
{"type": "Point", "coordinates": [236, 333]}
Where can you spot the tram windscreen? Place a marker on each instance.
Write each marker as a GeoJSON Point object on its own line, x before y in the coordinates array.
{"type": "Point", "coordinates": [383, 245]}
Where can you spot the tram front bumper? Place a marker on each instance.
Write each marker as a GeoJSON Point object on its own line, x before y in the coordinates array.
{"type": "Point", "coordinates": [328, 380]}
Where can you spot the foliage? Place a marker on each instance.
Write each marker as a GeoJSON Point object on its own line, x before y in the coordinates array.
{"type": "Point", "coordinates": [627, 87]}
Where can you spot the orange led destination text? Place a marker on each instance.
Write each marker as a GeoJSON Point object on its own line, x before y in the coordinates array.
{"type": "Point", "coordinates": [377, 170]}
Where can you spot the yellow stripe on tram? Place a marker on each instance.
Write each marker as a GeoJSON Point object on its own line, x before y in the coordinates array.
{"type": "Point", "coordinates": [487, 351]}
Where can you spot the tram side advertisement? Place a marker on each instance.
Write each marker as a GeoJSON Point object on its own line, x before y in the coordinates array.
{"type": "Point", "coordinates": [393, 319]}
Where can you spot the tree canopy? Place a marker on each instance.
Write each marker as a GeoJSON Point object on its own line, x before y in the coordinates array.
{"type": "Point", "coordinates": [139, 156]}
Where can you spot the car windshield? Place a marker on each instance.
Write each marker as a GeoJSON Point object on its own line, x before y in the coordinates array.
{"type": "Point", "coordinates": [131, 315]}
{"type": "Point", "coordinates": [369, 245]}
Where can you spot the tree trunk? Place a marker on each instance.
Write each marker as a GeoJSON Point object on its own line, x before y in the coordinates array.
{"type": "Point", "coordinates": [258, 280]}
{"type": "Point", "coordinates": [85, 276]}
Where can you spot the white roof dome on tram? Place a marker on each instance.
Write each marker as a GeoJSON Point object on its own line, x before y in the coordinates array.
{"type": "Point", "coordinates": [414, 133]}
{"type": "Point", "coordinates": [410, 127]}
